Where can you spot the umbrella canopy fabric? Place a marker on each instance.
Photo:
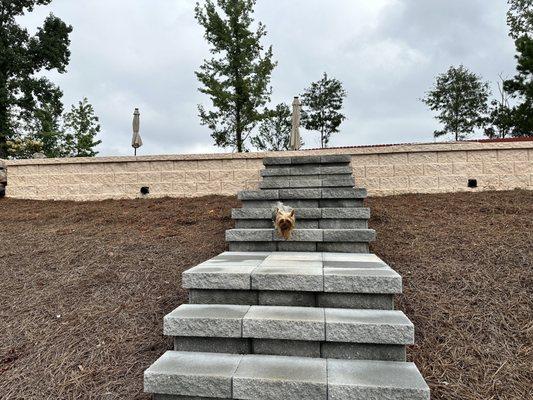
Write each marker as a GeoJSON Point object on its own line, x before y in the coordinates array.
{"type": "Point", "coordinates": [295, 141]}
{"type": "Point", "coordinates": [136, 140]}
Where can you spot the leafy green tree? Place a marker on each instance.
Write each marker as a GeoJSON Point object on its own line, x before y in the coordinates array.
{"type": "Point", "coordinates": [22, 56]}
{"type": "Point", "coordinates": [520, 19]}
{"type": "Point", "coordinates": [237, 78]}
{"type": "Point", "coordinates": [460, 98]}
{"type": "Point", "coordinates": [81, 125]}
{"type": "Point", "coordinates": [275, 130]}
{"type": "Point", "coordinates": [321, 106]}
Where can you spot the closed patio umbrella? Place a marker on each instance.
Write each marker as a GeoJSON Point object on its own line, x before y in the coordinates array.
{"type": "Point", "coordinates": [136, 140]}
{"type": "Point", "coordinates": [295, 141]}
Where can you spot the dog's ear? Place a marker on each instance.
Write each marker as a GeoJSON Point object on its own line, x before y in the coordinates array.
{"type": "Point", "coordinates": [291, 214]}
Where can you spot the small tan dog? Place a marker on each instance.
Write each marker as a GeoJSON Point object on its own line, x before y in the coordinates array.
{"type": "Point", "coordinates": [284, 220]}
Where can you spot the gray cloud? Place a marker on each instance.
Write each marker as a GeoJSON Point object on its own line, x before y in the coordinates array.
{"type": "Point", "coordinates": [141, 53]}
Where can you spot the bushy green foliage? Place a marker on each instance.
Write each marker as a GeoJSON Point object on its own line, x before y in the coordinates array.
{"type": "Point", "coordinates": [27, 100]}
{"type": "Point", "coordinates": [237, 78]}
{"type": "Point", "coordinates": [321, 106]}
{"type": "Point", "coordinates": [275, 130]}
{"type": "Point", "coordinates": [460, 98]}
{"type": "Point", "coordinates": [81, 128]}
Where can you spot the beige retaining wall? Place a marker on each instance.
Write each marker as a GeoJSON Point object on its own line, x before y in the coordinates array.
{"type": "Point", "coordinates": [383, 170]}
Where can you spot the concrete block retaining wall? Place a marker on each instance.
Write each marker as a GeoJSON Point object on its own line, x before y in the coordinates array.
{"type": "Point", "coordinates": [383, 170]}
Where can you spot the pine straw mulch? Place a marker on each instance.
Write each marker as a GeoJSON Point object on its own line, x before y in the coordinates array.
{"type": "Point", "coordinates": [84, 287]}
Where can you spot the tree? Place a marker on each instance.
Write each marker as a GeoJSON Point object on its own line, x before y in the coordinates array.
{"type": "Point", "coordinates": [460, 98]}
{"type": "Point", "coordinates": [275, 130]}
{"type": "Point", "coordinates": [520, 19]}
{"type": "Point", "coordinates": [237, 78]}
{"type": "Point", "coordinates": [321, 105]}
{"type": "Point", "coordinates": [500, 120]}
{"type": "Point", "coordinates": [21, 57]}
{"type": "Point", "coordinates": [81, 126]}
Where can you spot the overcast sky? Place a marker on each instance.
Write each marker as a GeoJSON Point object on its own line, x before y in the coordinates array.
{"type": "Point", "coordinates": [143, 53]}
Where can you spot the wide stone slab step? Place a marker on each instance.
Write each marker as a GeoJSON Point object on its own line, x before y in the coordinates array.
{"type": "Point", "coordinates": [326, 159]}
{"type": "Point", "coordinates": [303, 194]}
{"type": "Point", "coordinates": [290, 271]}
{"type": "Point", "coordinates": [308, 170]}
{"type": "Point", "coordinates": [263, 377]}
{"type": "Point", "coordinates": [290, 323]}
{"type": "Point", "coordinates": [307, 181]}
{"type": "Point", "coordinates": [301, 235]}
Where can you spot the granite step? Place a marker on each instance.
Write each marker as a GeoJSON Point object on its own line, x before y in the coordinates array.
{"type": "Point", "coordinates": [325, 159]}
{"type": "Point", "coordinates": [307, 279]}
{"type": "Point", "coordinates": [307, 181]}
{"type": "Point", "coordinates": [300, 170]}
{"type": "Point", "coordinates": [301, 235]}
{"type": "Point", "coordinates": [294, 331]}
{"type": "Point", "coordinates": [303, 194]}
{"type": "Point", "coordinates": [189, 375]}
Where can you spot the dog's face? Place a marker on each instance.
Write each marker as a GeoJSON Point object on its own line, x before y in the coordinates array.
{"type": "Point", "coordinates": [285, 222]}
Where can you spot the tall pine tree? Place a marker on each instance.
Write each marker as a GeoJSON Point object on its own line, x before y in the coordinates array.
{"type": "Point", "coordinates": [520, 20]}
{"type": "Point", "coordinates": [237, 77]}
{"type": "Point", "coordinates": [81, 125]}
{"type": "Point", "coordinates": [24, 97]}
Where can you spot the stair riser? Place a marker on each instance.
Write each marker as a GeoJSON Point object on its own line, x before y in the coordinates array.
{"type": "Point", "coordinates": [317, 203]}
{"type": "Point", "coordinates": [297, 299]}
{"type": "Point", "coordinates": [341, 247]}
{"type": "Point", "coordinates": [308, 181]}
{"type": "Point", "coordinates": [309, 169]}
{"type": "Point", "coordinates": [316, 349]}
{"type": "Point", "coordinates": [330, 193]}
{"type": "Point", "coordinates": [304, 160]}
{"type": "Point", "coordinates": [305, 224]}
{"type": "Point", "coordinates": [304, 213]}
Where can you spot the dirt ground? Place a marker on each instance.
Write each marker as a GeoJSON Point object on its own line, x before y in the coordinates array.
{"type": "Point", "coordinates": [84, 288]}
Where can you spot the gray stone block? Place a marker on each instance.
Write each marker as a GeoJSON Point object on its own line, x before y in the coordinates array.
{"type": "Point", "coordinates": [338, 182]}
{"type": "Point", "coordinates": [356, 300]}
{"type": "Point", "coordinates": [277, 161]}
{"type": "Point", "coordinates": [358, 380]}
{"type": "Point", "coordinates": [271, 204]}
{"type": "Point", "coordinates": [252, 246]}
{"type": "Point", "coordinates": [306, 279]}
{"type": "Point", "coordinates": [286, 194]}
{"type": "Point", "coordinates": [335, 170]}
{"type": "Point", "coordinates": [292, 256]}
{"type": "Point", "coordinates": [349, 235]}
{"type": "Point", "coordinates": [173, 397]}
{"type": "Point", "coordinates": [353, 280]}
{"type": "Point", "coordinates": [296, 299]}
{"type": "Point", "coordinates": [243, 256]}
{"type": "Point", "coordinates": [336, 158]}
{"type": "Point", "coordinates": [192, 374]}
{"type": "Point", "coordinates": [258, 195]}
{"type": "Point", "coordinates": [344, 247]}
{"type": "Point", "coordinates": [363, 351]}
{"type": "Point", "coordinates": [213, 345]}
{"type": "Point", "coordinates": [340, 203]}
{"type": "Point", "coordinates": [306, 223]}
{"type": "Point", "coordinates": [254, 223]}
{"type": "Point", "coordinates": [274, 183]}
{"type": "Point", "coordinates": [296, 246]}
{"type": "Point", "coordinates": [301, 235]}
{"type": "Point", "coordinates": [368, 326]}
{"type": "Point", "coordinates": [261, 377]}
{"type": "Point", "coordinates": [278, 171]}
{"type": "Point", "coordinates": [305, 170]}
{"type": "Point", "coordinates": [305, 183]}
{"type": "Point", "coordinates": [235, 277]}
{"type": "Point", "coordinates": [343, 193]}
{"type": "Point", "coordinates": [305, 160]}
{"type": "Point", "coordinates": [273, 261]}
{"type": "Point", "coordinates": [289, 323]}
{"type": "Point", "coordinates": [347, 213]}
{"type": "Point", "coordinates": [293, 348]}
{"type": "Point", "coordinates": [348, 260]}
{"type": "Point", "coordinates": [249, 235]}
{"type": "Point", "coordinates": [343, 224]}
{"type": "Point", "coordinates": [239, 297]}
{"type": "Point", "coordinates": [205, 320]}
{"type": "Point", "coordinates": [251, 213]}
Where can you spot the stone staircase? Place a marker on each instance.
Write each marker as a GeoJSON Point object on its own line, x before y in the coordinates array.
{"type": "Point", "coordinates": [309, 318]}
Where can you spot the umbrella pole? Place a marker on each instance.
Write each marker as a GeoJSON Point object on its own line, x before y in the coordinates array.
{"type": "Point", "coordinates": [135, 151]}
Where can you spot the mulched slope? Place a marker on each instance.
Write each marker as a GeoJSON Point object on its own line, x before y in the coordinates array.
{"type": "Point", "coordinates": [84, 287]}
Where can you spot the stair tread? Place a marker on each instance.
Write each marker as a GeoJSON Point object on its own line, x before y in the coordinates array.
{"type": "Point", "coordinates": [304, 213]}
{"type": "Point", "coordinates": [301, 235]}
{"type": "Point", "coordinates": [303, 193]}
{"type": "Point", "coordinates": [295, 271]}
{"type": "Point", "coordinates": [298, 160]}
{"type": "Point", "coordinates": [220, 375]}
{"type": "Point", "coordinates": [290, 323]}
